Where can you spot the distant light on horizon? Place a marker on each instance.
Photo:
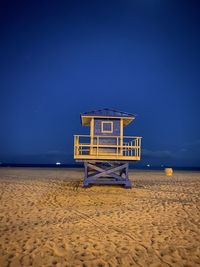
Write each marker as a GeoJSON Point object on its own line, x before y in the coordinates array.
{"type": "Point", "coordinates": [148, 165]}
{"type": "Point", "coordinates": [58, 163]}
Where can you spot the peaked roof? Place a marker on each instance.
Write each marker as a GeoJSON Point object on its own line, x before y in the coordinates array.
{"type": "Point", "coordinates": [106, 112]}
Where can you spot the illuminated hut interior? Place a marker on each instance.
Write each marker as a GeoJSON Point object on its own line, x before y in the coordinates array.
{"type": "Point", "coordinates": [106, 151]}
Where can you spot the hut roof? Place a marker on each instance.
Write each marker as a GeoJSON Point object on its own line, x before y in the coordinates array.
{"type": "Point", "coordinates": [106, 112]}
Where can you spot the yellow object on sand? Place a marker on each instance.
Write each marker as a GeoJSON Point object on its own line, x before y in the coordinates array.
{"type": "Point", "coordinates": [168, 171]}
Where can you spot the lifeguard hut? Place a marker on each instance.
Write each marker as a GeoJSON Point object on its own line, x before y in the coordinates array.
{"type": "Point", "coordinates": [106, 151]}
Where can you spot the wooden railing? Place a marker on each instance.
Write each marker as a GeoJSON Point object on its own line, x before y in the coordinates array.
{"type": "Point", "coordinates": [108, 147]}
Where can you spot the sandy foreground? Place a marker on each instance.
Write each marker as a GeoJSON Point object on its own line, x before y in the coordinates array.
{"type": "Point", "coordinates": [48, 219]}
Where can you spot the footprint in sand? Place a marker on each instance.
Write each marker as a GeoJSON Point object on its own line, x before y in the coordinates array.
{"type": "Point", "coordinates": [59, 251]}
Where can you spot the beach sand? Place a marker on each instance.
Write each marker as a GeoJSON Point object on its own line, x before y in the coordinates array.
{"type": "Point", "coordinates": [48, 219]}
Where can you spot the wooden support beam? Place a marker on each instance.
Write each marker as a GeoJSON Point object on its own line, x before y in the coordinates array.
{"type": "Point", "coordinates": [91, 135]}
{"type": "Point", "coordinates": [121, 136]}
{"type": "Point", "coordinates": [106, 174]}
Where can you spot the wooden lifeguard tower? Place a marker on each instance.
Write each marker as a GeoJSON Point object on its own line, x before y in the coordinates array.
{"type": "Point", "coordinates": [106, 151]}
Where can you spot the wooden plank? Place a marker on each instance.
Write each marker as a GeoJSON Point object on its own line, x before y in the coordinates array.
{"type": "Point", "coordinates": [75, 146]}
{"type": "Point", "coordinates": [91, 135]}
{"type": "Point", "coordinates": [99, 169]}
{"type": "Point", "coordinates": [86, 119]}
{"type": "Point", "coordinates": [108, 145]}
{"type": "Point", "coordinates": [86, 169]}
{"type": "Point", "coordinates": [107, 117]}
{"type": "Point", "coordinates": [121, 136]}
{"type": "Point", "coordinates": [107, 157]}
{"type": "Point", "coordinates": [114, 136]}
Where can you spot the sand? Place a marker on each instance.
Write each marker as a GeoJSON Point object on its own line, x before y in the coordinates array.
{"type": "Point", "coordinates": [48, 219]}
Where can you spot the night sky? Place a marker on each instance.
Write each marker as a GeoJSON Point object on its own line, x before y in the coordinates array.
{"type": "Point", "coordinates": [58, 59]}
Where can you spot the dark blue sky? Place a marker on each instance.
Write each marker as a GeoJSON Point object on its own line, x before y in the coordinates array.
{"type": "Point", "coordinates": [58, 59]}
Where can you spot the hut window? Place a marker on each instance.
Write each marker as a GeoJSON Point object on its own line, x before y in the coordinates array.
{"type": "Point", "coordinates": [106, 126]}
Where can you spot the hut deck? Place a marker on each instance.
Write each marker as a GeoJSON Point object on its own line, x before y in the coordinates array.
{"type": "Point", "coordinates": [126, 148]}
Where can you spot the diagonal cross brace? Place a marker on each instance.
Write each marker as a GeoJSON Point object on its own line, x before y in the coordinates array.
{"type": "Point", "coordinates": [105, 173]}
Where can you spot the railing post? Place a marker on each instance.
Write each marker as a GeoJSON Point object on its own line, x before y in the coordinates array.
{"type": "Point", "coordinates": [136, 147]}
{"type": "Point", "coordinates": [117, 146]}
{"type": "Point", "coordinates": [91, 135]}
{"type": "Point", "coordinates": [135, 143]}
{"type": "Point", "coordinates": [131, 148]}
{"type": "Point", "coordinates": [121, 136]}
{"type": "Point", "coordinates": [77, 145]}
{"type": "Point", "coordinates": [140, 148]}
{"type": "Point", "coordinates": [74, 145]}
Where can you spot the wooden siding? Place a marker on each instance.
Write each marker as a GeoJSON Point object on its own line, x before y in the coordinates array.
{"type": "Point", "coordinates": [106, 140]}
{"type": "Point", "coordinates": [116, 127]}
